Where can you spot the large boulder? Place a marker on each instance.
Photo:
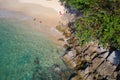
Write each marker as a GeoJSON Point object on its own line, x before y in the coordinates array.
{"type": "Point", "coordinates": [114, 57]}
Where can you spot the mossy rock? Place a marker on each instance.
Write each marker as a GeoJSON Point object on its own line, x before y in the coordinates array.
{"type": "Point", "coordinates": [66, 46]}
{"type": "Point", "coordinates": [60, 28]}
{"type": "Point", "coordinates": [66, 34]}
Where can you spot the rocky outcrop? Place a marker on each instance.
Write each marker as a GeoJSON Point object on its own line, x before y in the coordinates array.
{"type": "Point", "coordinates": [93, 64]}
{"type": "Point", "coordinates": [91, 61]}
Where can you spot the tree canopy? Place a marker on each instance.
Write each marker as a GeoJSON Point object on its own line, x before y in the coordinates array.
{"type": "Point", "coordinates": [100, 21]}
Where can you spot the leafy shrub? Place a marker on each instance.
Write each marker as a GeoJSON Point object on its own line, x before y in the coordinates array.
{"type": "Point", "coordinates": [100, 21]}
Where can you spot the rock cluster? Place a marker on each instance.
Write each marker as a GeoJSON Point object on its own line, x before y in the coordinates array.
{"type": "Point", "coordinates": [91, 61]}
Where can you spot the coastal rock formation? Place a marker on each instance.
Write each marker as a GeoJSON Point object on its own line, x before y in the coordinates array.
{"type": "Point", "coordinates": [91, 61]}
{"type": "Point", "coordinates": [90, 64]}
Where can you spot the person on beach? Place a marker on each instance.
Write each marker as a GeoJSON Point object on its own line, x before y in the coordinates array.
{"type": "Point", "coordinates": [60, 12]}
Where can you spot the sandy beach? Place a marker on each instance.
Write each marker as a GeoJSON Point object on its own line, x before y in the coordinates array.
{"type": "Point", "coordinates": [42, 12]}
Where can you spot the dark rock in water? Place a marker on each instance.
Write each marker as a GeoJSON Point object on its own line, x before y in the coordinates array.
{"type": "Point", "coordinates": [72, 75]}
{"type": "Point", "coordinates": [36, 61]}
{"type": "Point", "coordinates": [75, 76]}
{"type": "Point", "coordinates": [58, 73]}
{"type": "Point", "coordinates": [57, 69]}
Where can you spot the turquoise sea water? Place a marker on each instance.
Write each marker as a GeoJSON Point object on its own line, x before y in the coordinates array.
{"type": "Point", "coordinates": [25, 54]}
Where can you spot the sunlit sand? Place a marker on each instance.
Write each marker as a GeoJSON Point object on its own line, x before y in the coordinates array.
{"type": "Point", "coordinates": [43, 12]}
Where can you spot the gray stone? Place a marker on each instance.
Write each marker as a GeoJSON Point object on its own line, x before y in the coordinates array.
{"type": "Point", "coordinates": [93, 56]}
{"type": "Point", "coordinates": [72, 60]}
{"type": "Point", "coordinates": [78, 49]}
{"type": "Point", "coordinates": [114, 57]}
{"type": "Point", "coordinates": [69, 56]}
{"type": "Point", "coordinates": [96, 63]}
{"type": "Point", "coordinates": [106, 69]}
{"type": "Point", "coordinates": [104, 55]}
{"type": "Point", "coordinates": [90, 77]}
{"type": "Point", "coordinates": [100, 49]}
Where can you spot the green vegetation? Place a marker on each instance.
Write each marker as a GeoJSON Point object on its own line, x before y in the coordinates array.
{"type": "Point", "coordinates": [100, 21]}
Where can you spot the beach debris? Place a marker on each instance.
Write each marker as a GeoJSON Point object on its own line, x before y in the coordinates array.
{"type": "Point", "coordinates": [40, 21]}
{"type": "Point", "coordinates": [34, 19]}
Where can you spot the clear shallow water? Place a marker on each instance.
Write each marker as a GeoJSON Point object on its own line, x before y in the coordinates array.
{"type": "Point", "coordinates": [25, 54]}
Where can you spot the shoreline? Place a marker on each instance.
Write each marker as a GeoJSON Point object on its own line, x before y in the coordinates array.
{"type": "Point", "coordinates": [53, 4]}
{"type": "Point", "coordinates": [43, 16]}
{"type": "Point", "coordinates": [48, 11]}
